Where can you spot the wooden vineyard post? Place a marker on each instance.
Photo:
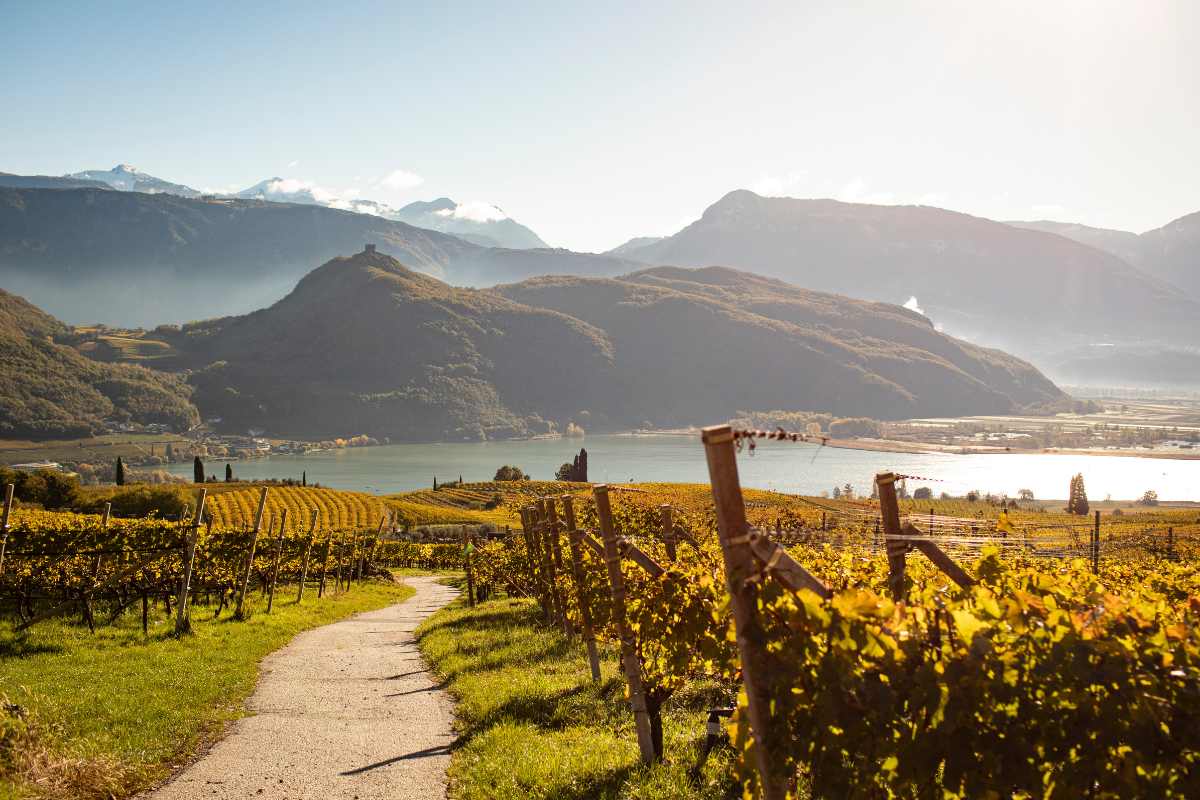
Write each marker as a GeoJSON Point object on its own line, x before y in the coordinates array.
{"type": "Point", "coordinates": [183, 623]}
{"type": "Point", "coordinates": [468, 551]}
{"type": "Point", "coordinates": [325, 565]}
{"type": "Point", "coordinates": [889, 511]}
{"type": "Point", "coordinates": [96, 566]}
{"type": "Point", "coordinates": [240, 612]}
{"type": "Point", "coordinates": [368, 552]}
{"type": "Point", "coordinates": [551, 517]}
{"type": "Point", "coordinates": [312, 531]}
{"type": "Point", "coordinates": [275, 561]}
{"type": "Point", "coordinates": [541, 541]}
{"type": "Point", "coordinates": [668, 529]}
{"type": "Point", "coordinates": [740, 565]}
{"type": "Point", "coordinates": [341, 547]}
{"type": "Point", "coordinates": [633, 667]}
{"type": "Point", "coordinates": [352, 561]}
{"type": "Point", "coordinates": [585, 610]}
{"type": "Point", "coordinates": [531, 558]}
{"type": "Point", "coordinates": [1096, 545]}
{"type": "Point", "coordinates": [8, 497]}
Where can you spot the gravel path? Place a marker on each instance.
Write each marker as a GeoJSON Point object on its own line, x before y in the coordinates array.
{"type": "Point", "coordinates": [344, 711]}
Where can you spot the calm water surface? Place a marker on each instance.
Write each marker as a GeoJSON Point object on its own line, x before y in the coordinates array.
{"type": "Point", "coordinates": [803, 468]}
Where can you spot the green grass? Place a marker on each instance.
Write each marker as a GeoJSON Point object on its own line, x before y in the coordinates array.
{"type": "Point", "coordinates": [531, 724]}
{"type": "Point", "coordinates": [129, 446]}
{"type": "Point", "coordinates": [114, 711]}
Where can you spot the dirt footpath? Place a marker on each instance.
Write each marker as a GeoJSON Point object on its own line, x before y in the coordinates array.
{"type": "Point", "coordinates": [344, 711]}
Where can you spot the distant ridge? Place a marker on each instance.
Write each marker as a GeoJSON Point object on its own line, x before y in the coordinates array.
{"type": "Point", "coordinates": [1026, 290]}
{"type": "Point", "coordinates": [1170, 253]}
{"type": "Point", "coordinates": [77, 253]}
{"type": "Point", "coordinates": [11, 181]}
{"type": "Point", "coordinates": [127, 178]}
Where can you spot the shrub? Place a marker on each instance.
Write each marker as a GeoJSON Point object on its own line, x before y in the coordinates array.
{"type": "Point", "coordinates": [854, 428]}
{"type": "Point", "coordinates": [923, 493]}
{"type": "Point", "coordinates": [49, 488]}
{"type": "Point", "coordinates": [510, 473]}
{"type": "Point", "coordinates": [140, 501]}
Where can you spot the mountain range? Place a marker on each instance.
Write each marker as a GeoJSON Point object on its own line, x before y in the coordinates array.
{"type": "Point", "coordinates": [1170, 253]}
{"type": "Point", "coordinates": [1043, 290]}
{"type": "Point", "coordinates": [127, 178]}
{"type": "Point", "coordinates": [481, 223]}
{"type": "Point", "coordinates": [1030, 291]}
{"type": "Point", "coordinates": [364, 344]}
{"type": "Point", "coordinates": [80, 253]}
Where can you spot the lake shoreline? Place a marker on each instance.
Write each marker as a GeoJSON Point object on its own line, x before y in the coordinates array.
{"type": "Point", "coordinates": [917, 448]}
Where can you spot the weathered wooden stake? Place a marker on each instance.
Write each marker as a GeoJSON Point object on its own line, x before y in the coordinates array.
{"type": "Point", "coordinates": [531, 558]}
{"type": "Point", "coordinates": [341, 547]}
{"type": "Point", "coordinates": [353, 560]}
{"type": "Point", "coordinates": [240, 612]}
{"type": "Point", "coordinates": [8, 496]}
{"type": "Point", "coordinates": [889, 511]}
{"type": "Point", "coordinates": [96, 565]}
{"type": "Point", "coordinates": [633, 667]}
{"type": "Point", "coordinates": [585, 610]}
{"type": "Point", "coordinates": [183, 623]}
{"type": "Point", "coordinates": [275, 561]}
{"type": "Point", "coordinates": [467, 547]}
{"type": "Point", "coordinates": [325, 564]}
{"type": "Point", "coordinates": [667, 519]}
{"type": "Point", "coordinates": [556, 564]}
{"type": "Point", "coordinates": [546, 564]}
{"type": "Point", "coordinates": [740, 565]}
{"type": "Point", "coordinates": [1096, 545]}
{"type": "Point", "coordinates": [938, 556]}
{"type": "Point", "coordinates": [312, 532]}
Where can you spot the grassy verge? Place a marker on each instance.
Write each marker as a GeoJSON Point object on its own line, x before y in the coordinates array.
{"type": "Point", "coordinates": [532, 724]}
{"type": "Point", "coordinates": [107, 714]}
{"type": "Point", "coordinates": [129, 446]}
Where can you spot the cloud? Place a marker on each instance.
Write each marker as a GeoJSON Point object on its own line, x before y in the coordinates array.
{"type": "Point", "coordinates": [778, 185]}
{"type": "Point", "coordinates": [293, 164]}
{"type": "Point", "coordinates": [475, 211]}
{"type": "Point", "coordinates": [291, 187]}
{"type": "Point", "coordinates": [401, 179]}
{"type": "Point", "coordinates": [939, 199]}
{"type": "Point", "coordinates": [913, 305]}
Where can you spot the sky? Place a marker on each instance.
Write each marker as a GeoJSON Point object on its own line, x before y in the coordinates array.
{"type": "Point", "coordinates": [596, 122]}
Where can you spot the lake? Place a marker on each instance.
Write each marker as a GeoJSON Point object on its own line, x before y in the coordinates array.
{"type": "Point", "coordinates": [800, 468]}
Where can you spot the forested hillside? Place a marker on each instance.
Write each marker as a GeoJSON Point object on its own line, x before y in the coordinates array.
{"type": "Point", "coordinates": [50, 390]}
{"type": "Point", "coordinates": [366, 345]}
{"type": "Point", "coordinates": [692, 344]}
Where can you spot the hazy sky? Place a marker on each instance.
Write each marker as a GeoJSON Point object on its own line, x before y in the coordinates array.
{"type": "Point", "coordinates": [597, 122]}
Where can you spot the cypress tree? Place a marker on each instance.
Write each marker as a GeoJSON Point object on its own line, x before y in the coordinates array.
{"type": "Point", "coordinates": [198, 470]}
{"type": "Point", "coordinates": [304, 478]}
{"type": "Point", "coordinates": [1078, 502]}
{"type": "Point", "coordinates": [120, 472]}
{"type": "Point", "coordinates": [229, 473]}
